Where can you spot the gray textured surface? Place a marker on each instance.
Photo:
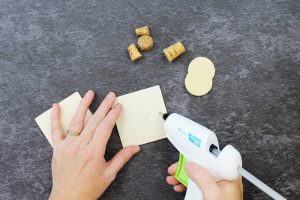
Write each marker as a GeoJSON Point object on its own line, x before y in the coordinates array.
{"type": "Point", "coordinates": [49, 49]}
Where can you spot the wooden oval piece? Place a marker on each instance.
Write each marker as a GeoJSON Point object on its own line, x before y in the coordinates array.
{"type": "Point", "coordinates": [202, 65]}
{"type": "Point", "coordinates": [198, 85]}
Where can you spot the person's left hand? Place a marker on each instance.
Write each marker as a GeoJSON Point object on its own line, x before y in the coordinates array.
{"type": "Point", "coordinates": [79, 169]}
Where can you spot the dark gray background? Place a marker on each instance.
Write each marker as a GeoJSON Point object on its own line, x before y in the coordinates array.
{"type": "Point", "coordinates": [49, 49]}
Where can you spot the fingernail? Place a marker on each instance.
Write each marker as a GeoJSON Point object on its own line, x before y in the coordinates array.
{"type": "Point", "coordinates": [89, 92]}
{"type": "Point", "coordinates": [54, 104]}
{"type": "Point", "coordinates": [136, 149]}
{"type": "Point", "coordinates": [175, 187]}
{"type": "Point", "coordinates": [118, 105]}
{"type": "Point", "coordinates": [114, 91]}
{"type": "Point", "coordinates": [111, 95]}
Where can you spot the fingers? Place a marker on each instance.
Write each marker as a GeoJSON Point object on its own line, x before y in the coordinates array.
{"type": "Point", "coordinates": [121, 158]}
{"type": "Point", "coordinates": [202, 178]}
{"type": "Point", "coordinates": [57, 131]}
{"type": "Point", "coordinates": [98, 116]}
{"type": "Point", "coordinates": [179, 188]}
{"type": "Point", "coordinates": [103, 131]}
{"type": "Point", "coordinates": [171, 180]}
{"type": "Point", "coordinates": [172, 169]}
{"type": "Point", "coordinates": [78, 119]}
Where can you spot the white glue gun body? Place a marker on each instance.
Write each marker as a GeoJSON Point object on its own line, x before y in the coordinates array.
{"type": "Point", "coordinates": [200, 145]}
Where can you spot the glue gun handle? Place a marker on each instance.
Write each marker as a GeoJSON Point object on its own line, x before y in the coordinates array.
{"type": "Point", "coordinates": [193, 191]}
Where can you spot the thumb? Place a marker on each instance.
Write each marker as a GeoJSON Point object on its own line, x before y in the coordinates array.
{"type": "Point", "coordinates": [202, 178]}
{"type": "Point", "coordinates": [121, 158]}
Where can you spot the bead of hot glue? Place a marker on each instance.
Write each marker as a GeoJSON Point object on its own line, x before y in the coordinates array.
{"type": "Point", "coordinates": [173, 51]}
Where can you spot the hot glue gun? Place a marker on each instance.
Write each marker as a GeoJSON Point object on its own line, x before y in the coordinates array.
{"type": "Point", "coordinates": [200, 145]}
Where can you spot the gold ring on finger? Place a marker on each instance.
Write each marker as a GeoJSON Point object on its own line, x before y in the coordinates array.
{"type": "Point", "coordinates": [72, 133]}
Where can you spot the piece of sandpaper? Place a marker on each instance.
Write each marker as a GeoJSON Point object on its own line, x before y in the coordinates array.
{"type": "Point", "coordinates": [141, 121]}
{"type": "Point", "coordinates": [68, 108]}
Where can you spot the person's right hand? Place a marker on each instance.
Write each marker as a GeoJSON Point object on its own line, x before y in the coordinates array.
{"type": "Point", "coordinates": [211, 190]}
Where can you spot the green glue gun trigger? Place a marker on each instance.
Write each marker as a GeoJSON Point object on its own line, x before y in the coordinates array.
{"type": "Point", "coordinates": [181, 174]}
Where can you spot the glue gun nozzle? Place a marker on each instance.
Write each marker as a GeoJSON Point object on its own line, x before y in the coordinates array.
{"type": "Point", "coordinates": [165, 116]}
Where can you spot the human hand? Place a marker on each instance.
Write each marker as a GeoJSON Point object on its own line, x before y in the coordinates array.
{"type": "Point", "coordinates": [211, 190]}
{"type": "Point", "coordinates": [171, 180]}
{"type": "Point", "coordinates": [79, 170]}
